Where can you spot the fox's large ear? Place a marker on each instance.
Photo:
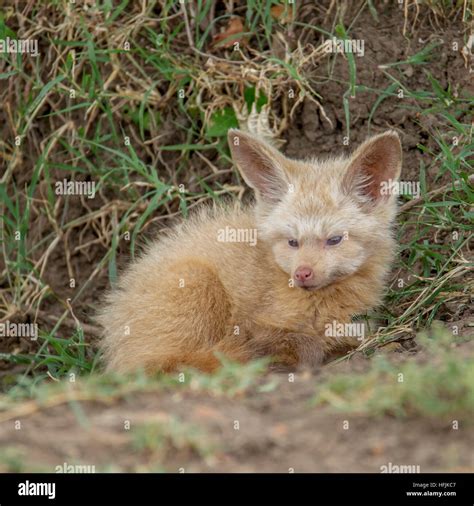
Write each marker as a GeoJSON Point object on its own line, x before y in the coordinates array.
{"type": "Point", "coordinates": [376, 163]}
{"type": "Point", "coordinates": [261, 165]}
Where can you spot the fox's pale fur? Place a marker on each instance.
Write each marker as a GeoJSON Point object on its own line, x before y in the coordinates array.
{"type": "Point", "coordinates": [191, 296]}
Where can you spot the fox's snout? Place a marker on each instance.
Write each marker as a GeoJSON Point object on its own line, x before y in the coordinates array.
{"type": "Point", "coordinates": [309, 279]}
{"type": "Point", "coordinates": [304, 275]}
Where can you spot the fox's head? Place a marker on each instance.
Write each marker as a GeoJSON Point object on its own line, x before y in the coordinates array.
{"type": "Point", "coordinates": [323, 219]}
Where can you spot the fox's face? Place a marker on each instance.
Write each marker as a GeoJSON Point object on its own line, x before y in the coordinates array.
{"type": "Point", "coordinates": [322, 219]}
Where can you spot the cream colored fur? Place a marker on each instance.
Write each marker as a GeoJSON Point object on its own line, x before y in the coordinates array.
{"type": "Point", "coordinates": [190, 295]}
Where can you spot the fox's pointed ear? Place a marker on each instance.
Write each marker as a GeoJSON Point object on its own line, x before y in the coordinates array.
{"type": "Point", "coordinates": [374, 165]}
{"type": "Point", "coordinates": [260, 164]}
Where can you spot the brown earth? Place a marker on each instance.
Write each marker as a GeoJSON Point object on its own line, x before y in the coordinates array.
{"type": "Point", "coordinates": [279, 430]}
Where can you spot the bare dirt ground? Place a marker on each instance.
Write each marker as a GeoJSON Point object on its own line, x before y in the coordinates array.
{"type": "Point", "coordinates": [272, 427]}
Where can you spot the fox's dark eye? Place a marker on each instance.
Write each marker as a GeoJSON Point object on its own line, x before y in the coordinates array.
{"type": "Point", "coordinates": [293, 243]}
{"type": "Point", "coordinates": [332, 241]}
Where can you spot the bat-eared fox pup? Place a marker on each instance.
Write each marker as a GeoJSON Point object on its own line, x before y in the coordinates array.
{"type": "Point", "coordinates": [267, 280]}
